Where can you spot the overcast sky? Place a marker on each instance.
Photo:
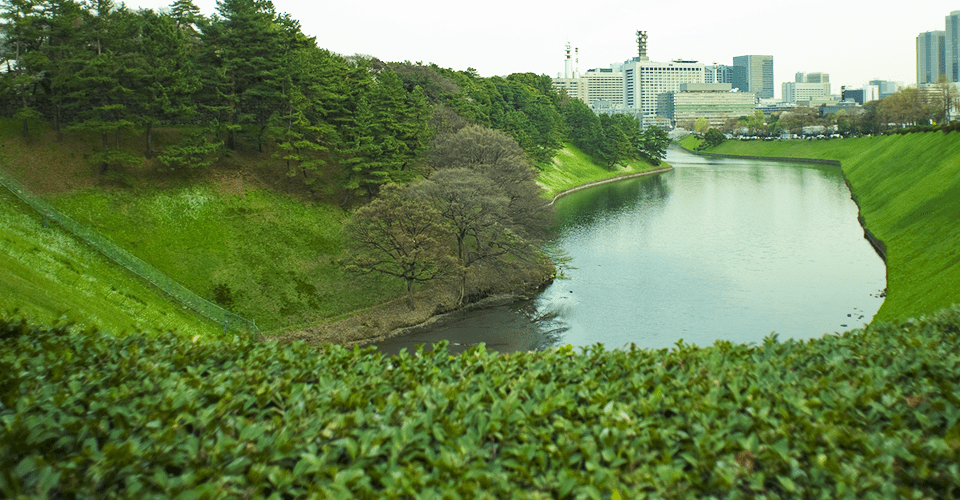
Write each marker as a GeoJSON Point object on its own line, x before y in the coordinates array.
{"type": "Point", "coordinates": [854, 41]}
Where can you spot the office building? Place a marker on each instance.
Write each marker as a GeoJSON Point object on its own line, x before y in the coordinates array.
{"type": "Point", "coordinates": [755, 75]}
{"type": "Point", "coordinates": [599, 84]}
{"type": "Point", "coordinates": [718, 73]}
{"type": "Point", "coordinates": [951, 47]}
{"type": "Point", "coordinates": [931, 56]}
{"type": "Point", "coordinates": [887, 88]}
{"type": "Point", "coordinates": [645, 81]}
{"type": "Point", "coordinates": [807, 87]}
{"type": "Point", "coordinates": [639, 86]}
{"type": "Point", "coordinates": [716, 102]}
{"type": "Point", "coordinates": [860, 96]}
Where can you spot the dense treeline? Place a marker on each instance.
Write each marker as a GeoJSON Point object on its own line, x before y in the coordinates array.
{"type": "Point", "coordinates": [247, 77]}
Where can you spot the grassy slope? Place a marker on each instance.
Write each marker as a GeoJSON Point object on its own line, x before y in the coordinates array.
{"type": "Point", "coordinates": [276, 253]}
{"type": "Point", "coordinates": [908, 187]}
{"type": "Point", "coordinates": [49, 276]}
{"type": "Point", "coordinates": [572, 168]}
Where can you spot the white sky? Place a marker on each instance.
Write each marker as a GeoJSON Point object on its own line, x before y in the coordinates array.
{"type": "Point", "coordinates": [854, 40]}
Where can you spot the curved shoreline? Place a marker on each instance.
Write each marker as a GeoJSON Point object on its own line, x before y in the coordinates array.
{"type": "Point", "coordinates": [608, 180]}
{"type": "Point", "coordinates": [878, 245]}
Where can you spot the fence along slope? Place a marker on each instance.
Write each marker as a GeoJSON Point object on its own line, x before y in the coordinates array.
{"type": "Point", "coordinates": [230, 321]}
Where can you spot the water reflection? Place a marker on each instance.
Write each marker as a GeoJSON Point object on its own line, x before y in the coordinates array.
{"type": "Point", "coordinates": [715, 249]}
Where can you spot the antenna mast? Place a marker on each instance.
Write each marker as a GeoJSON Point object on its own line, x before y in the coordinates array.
{"type": "Point", "coordinates": [642, 45]}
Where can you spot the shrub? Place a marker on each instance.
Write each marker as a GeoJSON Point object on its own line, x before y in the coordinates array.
{"type": "Point", "coordinates": [870, 413]}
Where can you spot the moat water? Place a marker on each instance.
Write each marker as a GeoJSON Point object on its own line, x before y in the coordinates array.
{"type": "Point", "coordinates": [715, 249]}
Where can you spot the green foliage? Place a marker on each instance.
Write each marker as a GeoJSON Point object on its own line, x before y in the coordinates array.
{"type": "Point", "coordinates": [278, 255]}
{"type": "Point", "coordinates": [193, 151]}
{"type": "Point", "coordinates": [864, 414]}
{"type": "Point", "coordinates": [50, 276]}
{"type": "Point", "coordinates": [712, 138]}
{"type": "Point", "coordinates": [572, 167]}
{"type": "Point", "coordinates": [653, 144]}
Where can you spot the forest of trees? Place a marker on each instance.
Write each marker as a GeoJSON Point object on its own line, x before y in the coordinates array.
{"type": "Point", "coordinates": [248, 77]}
{"type": "Point", "coordinates": [459, 150]}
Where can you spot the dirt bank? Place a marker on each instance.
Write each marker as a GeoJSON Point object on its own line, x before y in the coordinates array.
{"type": "Point", "coordinates": [487, 286]}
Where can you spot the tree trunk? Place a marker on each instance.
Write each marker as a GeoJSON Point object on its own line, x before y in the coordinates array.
{"type": "Point", "coordinates": [149, 134]}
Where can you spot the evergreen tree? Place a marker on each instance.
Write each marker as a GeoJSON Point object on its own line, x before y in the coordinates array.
{"type": "Point", "coordinates": [22, 35]}
{"type": "Point", "coordinates": [244, 66]}
{"type": "Point", "coordinates": [104, 86]}
{"type": "Point", "coordinates": [170, 81]}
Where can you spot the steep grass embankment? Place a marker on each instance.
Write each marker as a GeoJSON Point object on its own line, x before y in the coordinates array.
{"type": "Point", "coordinates": [223, 232]}
{"type": "Point", "coordinates": [908, 189]}
{"type": "Point", "coordinates": [49, 276]}
{"type": "Point", "coordinates": [572, 168]}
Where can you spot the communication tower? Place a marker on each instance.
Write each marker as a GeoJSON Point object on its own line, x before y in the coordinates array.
{"type": "Point", "coordinates": [642, 45]}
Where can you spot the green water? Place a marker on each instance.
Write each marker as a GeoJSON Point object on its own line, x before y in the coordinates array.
{"type": "Point", "coordinates": [715, 249]}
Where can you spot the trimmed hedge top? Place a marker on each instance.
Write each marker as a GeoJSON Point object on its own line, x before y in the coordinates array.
{"type": "Point", "coordinates": [872, 413]}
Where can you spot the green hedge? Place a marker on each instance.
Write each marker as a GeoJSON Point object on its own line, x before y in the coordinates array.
{"type": "Point", "coordinates": [864, 414]}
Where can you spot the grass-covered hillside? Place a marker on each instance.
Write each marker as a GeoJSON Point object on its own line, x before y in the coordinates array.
{"type": "Point", "coordinates": [230, 234]}
{"type": "Point", "coordinates": [49, 276]}
{"type": "Point", "coordinates": [908, 189]}
{"type": "Point", "coordinates": [572, 168]}
{"type": "Point", "coordinates": [865, 414]}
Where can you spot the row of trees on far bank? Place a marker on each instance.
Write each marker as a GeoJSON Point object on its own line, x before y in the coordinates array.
{"type": "Point", "coordinates": [906, 108]}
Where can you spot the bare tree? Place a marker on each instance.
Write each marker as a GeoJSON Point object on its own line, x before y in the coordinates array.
{"type": "Point", "coordinates": [400, 235]}
{"type": "Point", "coordinates": [474, 210]}
{"type": "Point", "coordinates": [500, 159]}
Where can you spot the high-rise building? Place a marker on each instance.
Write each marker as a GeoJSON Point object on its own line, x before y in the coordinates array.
{"type": "Point", "coordinates": [639, 86]}
{"type": "Point", "coordinates": [818, 77]}
{"type": "Point", "coordinates": [645, 81]}
{"type": "Point", "coordinates": [755, 76]}
{"type": "Point", "coordinates": [952, 46]}
{"type": "Point", "coordinates": [887, 88]}
{"type": "Point", "coordinates": [931, 56]}
{"type": "Point", "coordinates": [718, 73]}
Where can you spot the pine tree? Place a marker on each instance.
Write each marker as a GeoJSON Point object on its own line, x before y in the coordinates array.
{"type": "Point", "coordinates": [22, 35]}
{"type": "Point", "coordinates": [244, 58]}
{"type": "Point", "coordinates": [104, 85]}
{"type": "Point", "coordinates": [170, 80]}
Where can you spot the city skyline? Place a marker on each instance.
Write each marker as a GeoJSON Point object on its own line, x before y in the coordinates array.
{"type": "Point", "coordinates": [855, 44]}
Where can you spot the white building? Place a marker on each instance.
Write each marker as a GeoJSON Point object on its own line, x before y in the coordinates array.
{"type": "Point", "coordinates": [599, 84]}
{"type": "Point", "coordinates": [807, 87]}
{"type": "Point", "coordinates": [644, 82]}
{"type": "Point", "coordinates": [639, 86]}
{"type": "Point", "coordinates": [716, 102]}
